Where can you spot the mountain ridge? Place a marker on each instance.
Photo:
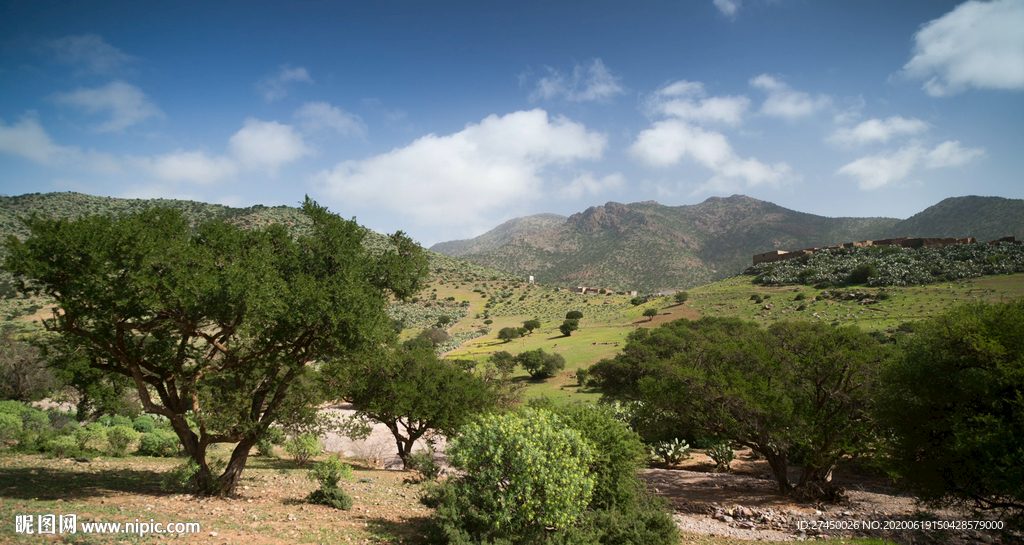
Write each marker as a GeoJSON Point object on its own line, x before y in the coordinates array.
{"type": "Point", "coordinates": [651, 247]}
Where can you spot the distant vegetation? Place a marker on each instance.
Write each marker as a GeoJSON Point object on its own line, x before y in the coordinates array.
{"type": "Point", "coordinates": [892, 265]}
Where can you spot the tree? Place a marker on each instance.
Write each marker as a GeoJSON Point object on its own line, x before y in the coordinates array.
{"type": "Point", "coordinates": [568, 326]}
{"type": "Point", "coordinates": [953, 404]}
{"type": "Point", "coordinates": [504, 362]}
{"type": "Point", "coordinates": [573, 315]}
{"type": "Point", "coordinates": [508, 333]}
{"type": "Point", "coordinates": [530, 325]}
{"type": "Point", "coordinates": [681, 297]}
{"type": "Point", "coordinates": [411, 392]}
{"type": "Point", "coordinates": [650, 313]}
{"type": "Point", "coordinates": [215, 324]}
{"type": "Point", "coordinates": [793, 389]}
{"type": "Point", "coordinates": [540, 364]}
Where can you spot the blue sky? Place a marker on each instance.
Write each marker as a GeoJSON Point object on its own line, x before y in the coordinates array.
{"type": "Point", "coordinates": [445, 119]}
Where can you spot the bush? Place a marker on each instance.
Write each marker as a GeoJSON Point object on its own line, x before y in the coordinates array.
{"type": "Point", "coordinates": [265, 446]}
{"type": "Point", "coordinates": [328, 472]}
{"type": "Point", "coordinates": [144, 424]}
{"type": "Point", "coordinates": [120, 420]}
{"type": "Point", "coordinates": [862, 273]}
{"type": "Point", "coordinates": [91, 437]}
{"type": "Point", "coordinates": [423, 462]}
{"type": "Point", "coordinates": [331, 497]}
{"type": "Point", "coordinates": [119, 438]}
{"type": "Point", "coordinates": [800, 296]}
{"type": "Point", "coordinates": [62, 446]}
{"type": "Point", "coordinates": [10, 427]}
{"type": "Point", "coordinates": [303, 447]}
{"type": "Point", "coordinates": [182, 476]}
{"type": "Point", "coordinates": [522, 472]}
{"type": "Point", "coordinates": [582, 375]}
{"type": "Point", "coordinates": [158, 443]}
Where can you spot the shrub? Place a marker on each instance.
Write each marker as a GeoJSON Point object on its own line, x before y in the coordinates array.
{"type": "Point", "coordinates": [488, 321]}
{"type": "Point", "coordinates": [91, 437]}
{"type": "Point", "coordinates": [273, 436]}
{"type": "Point", "coordinates": [303, 447]}
{"type": "Point", "coordinates": [158, 443]}
{"type": "Point", "coordinates": [424, 463]}
{"type": "Point", "coordinates": [722, 455]}
{"type": "Point", "coordinates": [522, 472]}
{"type": "Point", "coordinates": [119, 438]}
{"type": "Point", "coordinates": [328, 472]}
{"type": "Point", "coordinates": [862, 273]}
{"type": "Point", "coordinates": [182, 476]}
{"type": "Point", "coordinates": [800, 296]}
{"type": "Point", "coordinates": [144, 424]}
{"type": "Point", "coordinates": [62, 446]}
{"type": "Point", "coordinates": [582, 374]}
{"type": "Point", "coordinates": [10, 427]}
{"type": "Point", "coordinates": [331, 497]}
{"type": "Point", "coordinates": [120, 420]}
{"type": "Point", "coordinates": [671, 452]}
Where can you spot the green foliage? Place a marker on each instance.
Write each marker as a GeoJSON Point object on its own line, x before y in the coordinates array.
{"type": "Point", "coordinates": [504, 362]}
{"type": "Point", "coordinates": [508, 333]}
{"type": "Point", "coordinates": [331, 497]}
{"type": "Point", "coordinates": [91, 437]}
{"type": "Point", "coordinates": [582, 376]}
{"type": "Point", "coordinates": [273, 436]}
{"type": "Point", "coordinates": [10, 427]}
{"type": "Point", "coordinates": [119, 438]}
{"type": "Point", "coordinates": [650, 313]}
{"type": "Point", "coordinates": [671, 452]}
{"type": "Point", "coordinates": [681, 297]}
{"type": "Point", "coordinates": [412, 392]}
{"type": "Point", "coordinates": [530, 325]}
{"type": "Point", "coordinates": [181, 476]}
{"type": "Point", "coordinates": [144, 424]}
{"type": "Point", "coordinates": [425, 463]}
{"type": "Point", "coordinates": [329, 471]}
{"type": "Point", "coordinates": [792, 384]}
{"type": "Point", "coordinates": [158, 443]}
{"type": "Point", "coordinates": [954, 406]}
{"type": "Point", "coordinates": [573, 315]}
{"type": "Point", "coordinates": [540, 364]}
{"type": "Point", "coordinates": [61, 446]}
{"type": "Point", "coordinates": [302, 447]}
{"type": "Point", "coordinates": [523, 471]}
{"type": "Point", "coordinates": [722, 455]}
{"type": "Point", "coordinates": [862, 273]}
{"type": "Point", "coordinates": [217, 320]}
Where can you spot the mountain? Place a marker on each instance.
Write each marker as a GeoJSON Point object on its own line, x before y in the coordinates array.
{"type": "Point", "coordinates": [985, 218]}
{"type": "Point", "coordinates": [650, 247]}
{"type": "Point", "coordinates": [500, 235]}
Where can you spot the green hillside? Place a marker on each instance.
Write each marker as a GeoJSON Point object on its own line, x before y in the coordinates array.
{"type": "Point", "coordinates": [500, 235]}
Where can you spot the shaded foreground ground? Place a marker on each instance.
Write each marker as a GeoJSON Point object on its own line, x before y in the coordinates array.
{"type": "Point", "coordinates": [269, 507]}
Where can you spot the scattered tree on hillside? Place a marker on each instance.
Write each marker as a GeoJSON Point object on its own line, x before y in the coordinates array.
{"type": "Point", "coordinates": [569, 326]}
{"type": "Point", "coordinates": [954, 405]}
{"type": "Point", "coordinates": [219, 323]}
{"type": "Point", "coordinates": [540, 364]}
{"type": "Point", "coordinates": [650, 313]}
{"type": "Point", "coordinates": [681, 297]}
{"type": "Point", "coordinates": [530, 325]}
{"type": "Point", "coordinates": [574, 315]}
{"type": "Point", "coordinates": [508, 333]}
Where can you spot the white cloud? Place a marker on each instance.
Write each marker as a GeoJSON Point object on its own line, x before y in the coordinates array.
{"type": "Point", "coordinates": [459, 179]}
{"type": "Point", "coordinates": [783, 101]}
{"type": "Point", "coordinates": [189, 166]}
{"type": "Point", "coordinates": [586, 184]}
{"type": "Point", "coordinates": [267, 145]}
{"type": "Point", "coordinates": [951, 154]}
{"type": "Point", "coordinates": [319, 116]}
{"type": "Point", "coordinates": [275, 86]}
{"type": "Point", "coordinates": [90, 53]}
{"type": "Point", "coordinates": [878, 130]}
{"type": "Point", "coordinates": [978, 44]}
{"type": "Point", "coordinates": [728, 7]}
{"type": "Point", "coordinates": [875, 171]}
{"type": "Point", "coordinates": [668, 142]}
{"type": "Point", "coordinates": [125, 103]}
{"type": "Point", "coordinates": [593, 83]}
{"type": "Point", "coordinates": [688, 100]}
{"type": "Point", "coordinates": [28, 139]}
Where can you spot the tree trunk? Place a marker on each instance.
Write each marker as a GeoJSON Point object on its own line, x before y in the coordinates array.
{"type": "Point", "coordinates": [227, 482]}
{"type": "Point", "coordinates": [780, 468]}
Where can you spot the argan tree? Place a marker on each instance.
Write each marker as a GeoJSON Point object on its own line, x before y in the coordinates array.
{"type": "Point", "coordinates": [215, 323]}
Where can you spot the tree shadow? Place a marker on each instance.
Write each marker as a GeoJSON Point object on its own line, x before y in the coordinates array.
{"type": "Point", "coordinates": [411, 530]}
{"type": "Point", "coordinates": [262, 462]}
{"type": "Point", "coordinates": [27, 483]}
